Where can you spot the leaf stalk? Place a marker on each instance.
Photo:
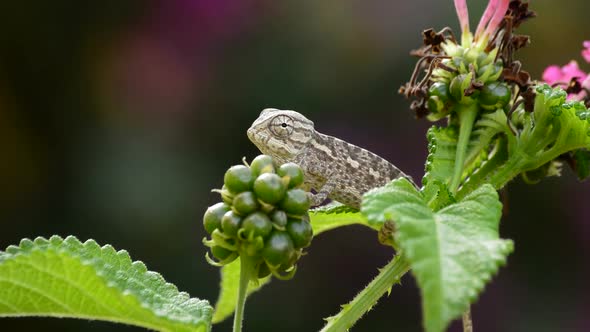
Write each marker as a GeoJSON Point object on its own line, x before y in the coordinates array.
{"type": "Point", "coordinates": [247, 266]}
{"type": "Point", "coordinates": [368, 297]}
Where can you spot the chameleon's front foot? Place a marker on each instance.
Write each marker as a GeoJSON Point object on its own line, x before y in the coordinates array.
{"type": "Point", "coordinates": [322, 195]}
{"type": "Point", "coordinates": [385, 234]}
{"type": "Point", "coordinates": [317, 199]}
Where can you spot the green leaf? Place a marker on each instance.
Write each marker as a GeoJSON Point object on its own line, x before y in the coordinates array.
{"type": "Point", "coordinates": [452, 252]}
{"type": "Point", "coordinates": [484, 129]}
{"type": "Point", "coordinates": [581, 165]}
{"type": "Point", "coordinates": [67, 278]}
{"type": "Point", "coordinates": [442, 148]}
{"type": "Point", "coordinates": [554, 128]}
{"type": "Point", "coordinates": [496, 158]}
{"type": "Point", "coordinates": [335, 215]}
{"type": "Point", "coordinates": [437, 195]}
{"type": "Point", "coordinates": [228, 294]}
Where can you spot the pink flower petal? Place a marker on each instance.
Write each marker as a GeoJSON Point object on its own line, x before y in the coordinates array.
{"type": "Point", "coordinates": [572, 70]}
{"type": "Point", "coordinates": [485, 18]}
{"type": "Point", "coordinates": [462, 14]}
{"type": "Point", "coordinates": [552, 74]}
{"type": "Point", "coordinates": [499, 14]}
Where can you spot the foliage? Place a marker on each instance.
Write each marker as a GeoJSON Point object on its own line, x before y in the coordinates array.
{"type": "Point", "coordinates": [67, 278]}
{"type": "Point", "coordinates": [452, 252]}
{"type": "Point", "coordinates": [500, 124]}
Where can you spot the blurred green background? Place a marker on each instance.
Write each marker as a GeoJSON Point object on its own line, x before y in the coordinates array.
{"type": "Point", "coordinates": [118, 117]}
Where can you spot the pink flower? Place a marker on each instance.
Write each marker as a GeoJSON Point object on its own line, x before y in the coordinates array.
{"type": "Point", "coordinates": [555, 74]}
{"type": "Point", "coordinates": [486, 17]}
{"type": "Point", "coordinates": [562, 76]}
{"type": "Point", "coordinates": [586, 51]}
{"type": "Point", "coordinates": [499, 11]}
{"type": "Point", "coordinates": [462, 14]}
{"type": "Point", "coordinates": [489, 22]}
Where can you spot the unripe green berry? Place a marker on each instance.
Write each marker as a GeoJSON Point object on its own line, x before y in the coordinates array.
{"type": "Point", "coordinates": [262, 164]}
{"type": "Point", "coordinates": [300, 232]}
{"type": "Point", "coordinates": [279, 218]}
{"type": "Point", "coordinates": [440, 90]}
{"type": "Point", "coordinates": [238, 178]}
{"type": "Point", "coordinates": [278, 248]}
{"type": "Point", "coordinates": [269, 188]}
{"type": "Point", "coordinates": [296, 202]}
{"type": "Point", "coordinates": [293, 172]}
{"type": "Point", "coordinates": [245, 203]}
{"type": "Point", "coordinates": [256, 224]}
{"type": "Point", "coordinates": [494, 95]}
{"type": "Point", "coordinates": [230, 223]}
{"type": "Point", "coordinates": [213, 216]}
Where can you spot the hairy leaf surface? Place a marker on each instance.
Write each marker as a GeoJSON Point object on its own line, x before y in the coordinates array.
{"type": "Point", "coordinates": [452, 252]}
{"type": "Point", "coordinates": [442, 148]}
{"type": "Point", "coordinates": [335, 215]}
{"type": "Point", "coordinates": [67, 278]}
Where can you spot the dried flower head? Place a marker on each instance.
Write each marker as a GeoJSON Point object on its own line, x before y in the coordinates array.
{"type": "Point", "coordinates": [450, 73]}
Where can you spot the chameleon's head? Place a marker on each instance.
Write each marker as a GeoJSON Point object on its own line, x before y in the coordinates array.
{"type": "Point", "coordinates": [281, 134]}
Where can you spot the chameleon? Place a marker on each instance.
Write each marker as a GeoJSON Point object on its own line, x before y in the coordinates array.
{"type": "Point", "coordinates": [333, 168]}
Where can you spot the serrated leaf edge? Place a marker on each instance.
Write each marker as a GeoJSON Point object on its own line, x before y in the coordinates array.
{"type": "Point", "coordinates": [193, 308]}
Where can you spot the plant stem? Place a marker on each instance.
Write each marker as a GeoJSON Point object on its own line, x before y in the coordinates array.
{"type": "Point", "coordinates": [467, 322]}
{"type": "Point", "coordinates": [508, 171]}
{"type": "Point", "coordinates": [368, 297]}
{"type": "Point", "coordinates": [246, 270]}
{"type": "Point", "coordinates": [498, 157]}
{"type": "Point", "coordinates": [467, 114]}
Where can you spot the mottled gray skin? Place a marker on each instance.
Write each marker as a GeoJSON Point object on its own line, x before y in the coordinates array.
{"type": "Point", "coordinates": [334, 168]}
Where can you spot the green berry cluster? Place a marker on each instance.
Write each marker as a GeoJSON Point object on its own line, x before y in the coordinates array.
{"type": "Point", "coordinates": [263, 214]}
{"type": "Point", "coordinates": [467, 76]}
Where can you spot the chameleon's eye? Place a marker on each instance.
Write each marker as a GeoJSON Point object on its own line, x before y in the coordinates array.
{"type": "Point", "coordinates": [281, 125]}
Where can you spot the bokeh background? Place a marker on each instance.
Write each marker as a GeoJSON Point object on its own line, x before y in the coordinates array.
{"type": "Point", "coordinates": [118, 117]}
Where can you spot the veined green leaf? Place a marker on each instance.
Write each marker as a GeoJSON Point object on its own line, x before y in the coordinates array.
{"type": "Point", "coordinates": [335, 215]}
{"type": "Point", "coordinates": [437, 195]}
{"type": "Point", "coordinates": [554, 128]}
{"type": "Point", "coordinates": [484, 129]}
{"type": "Point", "coordinates": [442, 148]}
{"type": "Point", "coordinates": [452, 252]}
{"type": "Point", "coordinates": [67, 278]}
